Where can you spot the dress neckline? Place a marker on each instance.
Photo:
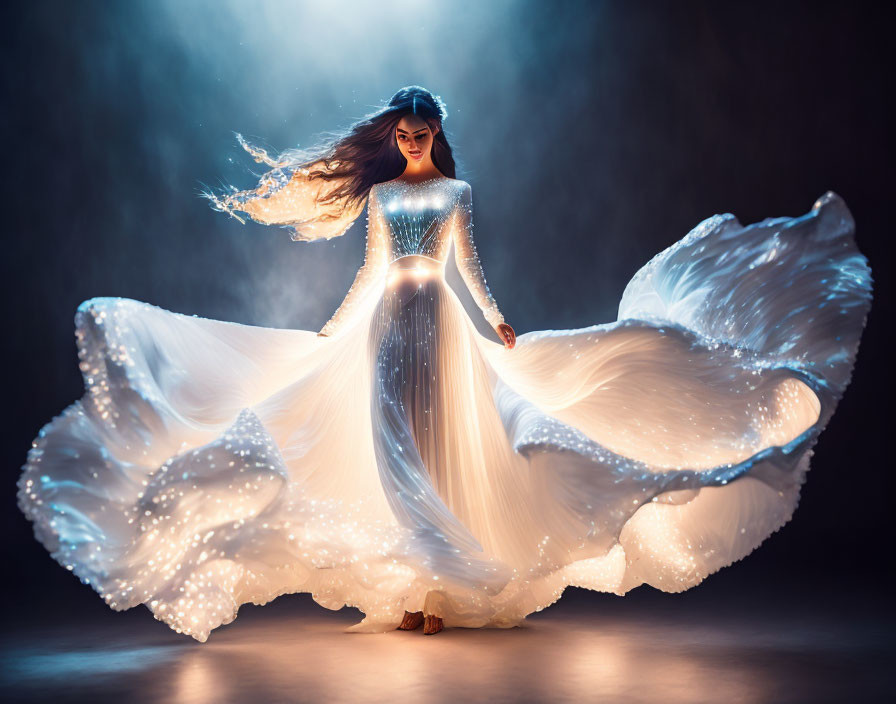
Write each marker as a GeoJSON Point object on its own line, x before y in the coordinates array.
{"type": "Point", "coordinates": [409, 184]}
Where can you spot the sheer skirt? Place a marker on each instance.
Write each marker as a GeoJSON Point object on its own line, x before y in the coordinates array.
{"type": "Point", "coordinates": [409, 463]}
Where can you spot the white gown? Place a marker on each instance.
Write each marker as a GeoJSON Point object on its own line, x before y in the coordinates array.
{"type": "Point", "coordinates": [406, 462]}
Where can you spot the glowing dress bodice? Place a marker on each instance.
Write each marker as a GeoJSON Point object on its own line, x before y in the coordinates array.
{"type": "Point", "coordinates": [418, 219]}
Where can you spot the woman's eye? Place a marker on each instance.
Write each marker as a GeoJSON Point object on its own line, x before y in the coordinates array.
{"type": "Point", "coordinates": [401, 136]}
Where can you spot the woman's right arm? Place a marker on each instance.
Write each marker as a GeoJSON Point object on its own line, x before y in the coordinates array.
{"type": "Point", "coordinates": [374, 266]}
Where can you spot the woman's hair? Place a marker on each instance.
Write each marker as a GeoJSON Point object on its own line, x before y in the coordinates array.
{"type": "Point", "coordinates": [346, 165]}
{"type": "Point", "coordinates": [367, 153]}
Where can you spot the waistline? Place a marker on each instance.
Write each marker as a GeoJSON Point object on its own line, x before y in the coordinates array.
{"type": "Point", "coordinates": [415, 261]}
{"type": "Point", "coordinates": [413, 267]}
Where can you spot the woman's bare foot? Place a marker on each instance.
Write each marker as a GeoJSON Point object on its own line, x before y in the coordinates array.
{"type": "Point", "coordinates": [411, 621]}
{"type": "Point", "coordinates": [432, 625]}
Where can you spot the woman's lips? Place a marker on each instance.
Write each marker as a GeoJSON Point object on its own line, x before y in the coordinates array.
{"type": "Point", "coordinates": [416, 155]}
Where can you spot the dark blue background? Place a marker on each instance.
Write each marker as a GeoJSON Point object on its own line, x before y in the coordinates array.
{"type": "Point", "coordinates": [594, 135]}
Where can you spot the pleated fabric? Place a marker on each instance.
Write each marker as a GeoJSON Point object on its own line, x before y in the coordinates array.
{"type": "Point", "coordinates": [409, 463]}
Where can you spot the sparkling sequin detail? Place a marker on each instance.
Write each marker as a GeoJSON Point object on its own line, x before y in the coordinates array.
{"type": "Point", "coordinates": [409, 463]}
{"type": "Point", "coordinates": [423, 219]}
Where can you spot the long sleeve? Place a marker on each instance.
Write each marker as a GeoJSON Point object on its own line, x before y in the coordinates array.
{"type": "Point", "coordinates": [374, 267]}
{"type": "Point", "coordinates": [468, 259]}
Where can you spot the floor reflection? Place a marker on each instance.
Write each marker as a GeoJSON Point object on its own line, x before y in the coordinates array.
{"type": "Point", "coordinates": [292, 650]}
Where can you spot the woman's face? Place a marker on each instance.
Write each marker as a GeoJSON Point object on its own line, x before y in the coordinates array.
{"type": "Point", "coordinates": [414, 136]}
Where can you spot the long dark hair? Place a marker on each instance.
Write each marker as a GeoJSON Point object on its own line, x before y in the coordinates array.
{"type": "Point", "coordinates": [367, 152]}
{"type": "Point", "coordinates": [351, 161]}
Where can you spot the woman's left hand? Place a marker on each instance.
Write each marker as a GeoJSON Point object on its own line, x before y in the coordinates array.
{"type": "Point", "coordinates": [507, 335]}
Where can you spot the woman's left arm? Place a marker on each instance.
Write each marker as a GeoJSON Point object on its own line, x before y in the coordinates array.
{"type": "Point", "coordinates": [470, 267]}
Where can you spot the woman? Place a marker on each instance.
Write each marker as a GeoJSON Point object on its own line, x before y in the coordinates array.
{"type": "Point", "coordinates": [400, 462]}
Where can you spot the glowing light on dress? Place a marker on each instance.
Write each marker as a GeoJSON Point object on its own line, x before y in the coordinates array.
{"type": "Point", "coordinates": [407, 462]}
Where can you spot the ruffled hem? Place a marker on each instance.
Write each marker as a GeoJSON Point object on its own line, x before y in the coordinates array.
{"type": "Point", "coordinates": [211, 464]}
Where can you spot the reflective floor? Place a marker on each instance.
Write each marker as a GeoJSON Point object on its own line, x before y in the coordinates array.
{"type": "Point", "coordinates": [770, 645]}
